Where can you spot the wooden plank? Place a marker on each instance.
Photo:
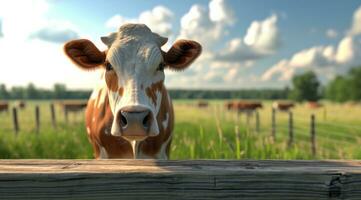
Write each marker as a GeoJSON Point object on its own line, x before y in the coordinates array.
{"type": "Point", "coordinates": [197, 179]}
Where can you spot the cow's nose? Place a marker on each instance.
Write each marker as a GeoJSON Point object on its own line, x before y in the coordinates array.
{"type": "Point", "coordinates": [135, 125]}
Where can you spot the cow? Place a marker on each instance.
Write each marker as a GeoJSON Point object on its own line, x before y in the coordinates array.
{"type": "Point", "coordinates": [243, 106]}
{"type": "Point", "coordinates": [314, 104]}
{"type": "Point", "coordinates": [130, 113]}
{"type": "Point", "coordinates": [4, 107]}
{"type": "Point", "coordinates": [73, 106]}
{"type": "Point", "coordinates": [202, 104]}
{"type": "Point", "coordinates": [282, 106]}
{"type": "Point", "coordinates": [21, 104]}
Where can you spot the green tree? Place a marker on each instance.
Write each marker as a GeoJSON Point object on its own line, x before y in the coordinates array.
{"type": "Point", "coordinates": [355, 83]}
{"type": "Point", "coordinates": [4, 94]}
{"type": "Point", "coordinates": [339, 89]}
{"type": "Point", "coordinates": [305, 87]}
{"type": "Point", "coordinates": [60, 91]}
{"type": "Point", "coordinates": [18, 93]}
{"type": "Point", "coordinates": [31, 92]}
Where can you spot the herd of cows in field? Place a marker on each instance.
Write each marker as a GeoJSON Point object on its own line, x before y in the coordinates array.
{"type": "Point", "coordinates": [251, 106]}
{"type": "Point", "coordinates": [236, 105]}
{"type": "Point", "coordinates": [67, 106]}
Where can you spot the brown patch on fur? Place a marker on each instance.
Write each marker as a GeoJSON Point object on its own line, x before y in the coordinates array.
{"type": "Point", "coordinates": [151, 91]}
{"type": "Point", "coordinates": [121, 91]}
{"type": "Point", "coordinates": [111, 79]}
{"type": "Point", "coordinates": [100, 127]}
{"type": "Point", "coordinates": [84, 54]}
{"type": "Point", "coordinates": [151, 146]}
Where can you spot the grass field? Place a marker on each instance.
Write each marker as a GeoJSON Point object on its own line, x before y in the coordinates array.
{"type": "Point", "coordinates": [200, 133]}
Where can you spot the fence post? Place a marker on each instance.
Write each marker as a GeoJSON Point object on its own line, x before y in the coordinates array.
{"type": "Point", "coordinates": [66, 114]}
{"type": "Point", "coordinates": [52, 112]}
{"type": "Point", "coordinates": [37, 118]}
{"type": "Point", "coordinates": [313, 135]}
{"type": "Point", "coordinates": [15, 121]}
{"type": "Point", "coordinates": [248, 116]}
{"type": "Point", "coordinates": [257, 122]}
{"type": "Point", "coordinates": [290, 128]}
{"type": "Point", "coordinates": [274, 124]}
{"type": "Point", "coordinates": [238, 143]}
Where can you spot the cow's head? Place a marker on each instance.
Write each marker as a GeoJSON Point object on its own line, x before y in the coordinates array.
{"type": "Point", "coordinates": [134, 64]}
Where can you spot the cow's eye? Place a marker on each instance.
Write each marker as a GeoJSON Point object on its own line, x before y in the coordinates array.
{"type": "Point", "coordinates": [108, 66]}
{"type": "Point", "coordinates": [161, 67]}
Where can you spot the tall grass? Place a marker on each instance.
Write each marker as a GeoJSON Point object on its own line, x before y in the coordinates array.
{"type": "Point", "coordinates": [200, 133]}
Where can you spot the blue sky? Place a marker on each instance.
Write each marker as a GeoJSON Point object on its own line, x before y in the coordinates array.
{"type": "Point", "coordinates": [247, 44]}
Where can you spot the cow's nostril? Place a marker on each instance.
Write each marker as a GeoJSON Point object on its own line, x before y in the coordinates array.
{"type": "Point", "coordinates": [123, 121]}
{"type": "Point", "coordinates": [146, 121]}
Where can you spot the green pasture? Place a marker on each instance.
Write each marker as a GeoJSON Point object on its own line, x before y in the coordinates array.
{"type": "Point", "coordinates": [200, 133]}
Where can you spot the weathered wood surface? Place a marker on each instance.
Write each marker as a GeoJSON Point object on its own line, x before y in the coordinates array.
{"type": "Point", "coordinates": [204, 179]}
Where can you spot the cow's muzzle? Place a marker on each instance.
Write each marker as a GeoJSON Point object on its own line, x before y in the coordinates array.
{"type": "Point", "coordinates": [134, 124]}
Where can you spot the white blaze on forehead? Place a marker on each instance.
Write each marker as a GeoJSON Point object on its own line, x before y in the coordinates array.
{"type": "Point", "coordinates": [134, 52]}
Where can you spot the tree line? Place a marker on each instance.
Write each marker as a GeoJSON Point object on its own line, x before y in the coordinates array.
{"type": "Point", "coordinates": [59, 91]}
{"type": "Point", "coordinates": [305, 87]}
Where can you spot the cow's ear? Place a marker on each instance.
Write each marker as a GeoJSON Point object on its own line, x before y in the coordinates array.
{"type": "Point", "coordinates": [84, 54]}
{"type": "Point", "coordinates": [182, 54]}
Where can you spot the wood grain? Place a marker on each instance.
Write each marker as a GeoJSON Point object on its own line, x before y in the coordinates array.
{"type": "Point", "coordinates": [195, 179]}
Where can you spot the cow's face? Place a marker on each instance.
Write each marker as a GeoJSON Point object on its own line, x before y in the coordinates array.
{"type": "Point", "coordinates": [134, 65]}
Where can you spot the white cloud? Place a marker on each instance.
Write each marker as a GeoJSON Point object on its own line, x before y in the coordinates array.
{"type": "Point", "coordinates": [117, 20]}
{"type": "Point", "coordinates": [36, 60]}
{"type": "Point", "coordinates": [54, 31]}
{"type": "Point", "coordinates": [348, 50]}
{"type": "Point", "coordinates": [324, 60]}
{"type": "Point", "coordinates": [225, 67]}
{"type": "Point", "coordinates": [356, 23]}
{"type": "Point", "coordinates": [262, 39]}
{"type": "Point", "coordinates": [32, 23]}
{"type": "Point", "coordinates": [196, 25]}
{"type": "Point", "coordinates": [159, 20]}
{"type": "Point", "coordinates": [331, 33]}
{"type": "Point", "coordinates": [219, 11]}
{"type": "Point", "coordinates": [327, 61]}
{"type": "Point", "coordinates": [263, 35]}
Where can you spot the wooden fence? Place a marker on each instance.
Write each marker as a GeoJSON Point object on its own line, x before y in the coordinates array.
{"type": "Point", "coordinates": [68, 107]}
{"type": "Point", "coordinates": [197, 179]}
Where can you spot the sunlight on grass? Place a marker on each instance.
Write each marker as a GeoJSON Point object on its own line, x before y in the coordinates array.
{"type": "Point", "coordinates": [200, 133]}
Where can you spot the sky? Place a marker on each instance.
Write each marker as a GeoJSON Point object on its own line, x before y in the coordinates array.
{"type": "Point", "coordinates": [246, 44]}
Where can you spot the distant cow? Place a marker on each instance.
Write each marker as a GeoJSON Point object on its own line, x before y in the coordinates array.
{"type": "Point", "coordinates": [20, 104]}
{"type": "Point", "coordinates": [202, 104]}
{"type": "Point", "coordinates": [314, 105]}
{"type": "Point", "coordinates": [243, 106]}
{"type": "Point", "coordinates": [130, 114]}
{"type": "Point", "coordinates": [73, 106]}
{"type": "Point", "coordinates": [4, 107]}
{"type": "Point", "coordinates": [283, 106]}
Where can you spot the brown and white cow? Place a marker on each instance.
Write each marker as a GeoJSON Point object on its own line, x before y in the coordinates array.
{"type": "Point", "coordinates": [130, 114]}
{"type": "Point", "coordinates": [4, 107]}
{"type": "Point", "coordinates": [247, 107]}
{"type": "Point", "coordinates": [283, 106]}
